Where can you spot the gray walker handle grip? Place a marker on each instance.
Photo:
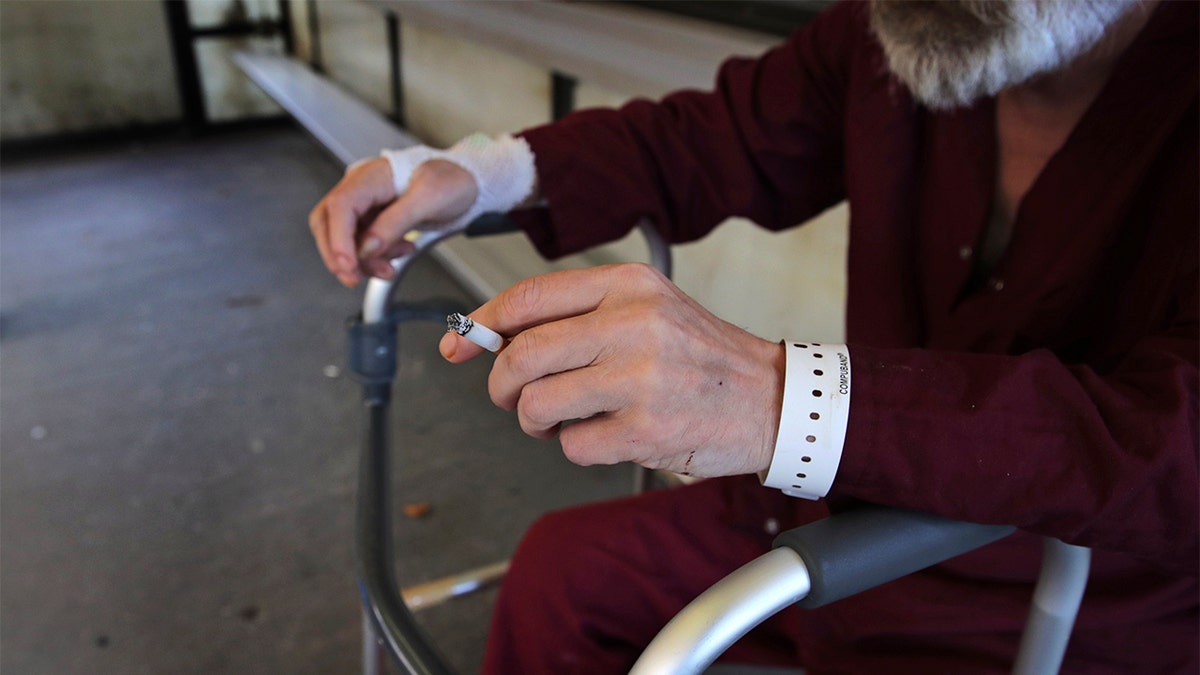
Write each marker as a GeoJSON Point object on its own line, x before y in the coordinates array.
{"type": "Point", "coordinates": [871, 545]}
{"type": "Point", "coordinates": [850, 552]}
{"type": "Point", "coordinates": [826, 560]}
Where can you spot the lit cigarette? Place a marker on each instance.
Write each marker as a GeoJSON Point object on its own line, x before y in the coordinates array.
{"type": "Point", "coordinates": [475, 332]}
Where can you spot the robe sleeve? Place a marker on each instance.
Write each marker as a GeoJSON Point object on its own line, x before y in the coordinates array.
{"type": "Point", "coordinates": [1101, 459]}
{"type": "Point", "coordinates": [765, 144]}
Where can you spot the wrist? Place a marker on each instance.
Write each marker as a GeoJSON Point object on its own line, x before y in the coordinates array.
{"type": "Point", "coordinates": [774, 357]}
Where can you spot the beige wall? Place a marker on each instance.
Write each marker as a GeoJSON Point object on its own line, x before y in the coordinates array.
{"type": "Point", "coordinates": [353, 48]}
{"type": "Point", "coordinates": [78, 66]}
{"type": "Point", "coordinates": [70, 66]}
{"type": "Point", "coordinates": [776, 285]}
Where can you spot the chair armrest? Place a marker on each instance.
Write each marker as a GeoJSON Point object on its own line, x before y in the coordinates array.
{"type": "Point", "coordinates": [871, 545]}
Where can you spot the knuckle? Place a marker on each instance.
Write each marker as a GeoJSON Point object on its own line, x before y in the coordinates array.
{"type": "Point", "coordinates": [523, 299]}
{"type": "Point", "coordinates": [656, 432]}
{"type": "Point", "coordinates": [367, 168]}
{"type": "Point", "coordinates": [515, 370]}
{"type": "Point", "coordinates": [336, 196]}
{"type": "Point", "coordinates": [644, 276]}
{"type": "Point", "coordinates": [499, 391]}
{"type": "Point", "coordinates": [661, 335]}
{"type": "Point", "coordinates": [530, 428]}
{"type": "Point", "coordinates": [318, 218]}
{"type": "Point", "coordinates": [655, 333]}
{"type": "Point", "coordinates": [335, 204]}
{"type": "Point", "coordinates": [435, 169]}
{"type": "Point", "coordinates": [643, 427]}
{"type": "Point", "coordinates": [578, 445]}
{"type": "Point", "coordinates": [575, 454]}
{"type": "Point", "coordinates": [522, 352]}
{"type": "Point", "coordinates": [535, 410]}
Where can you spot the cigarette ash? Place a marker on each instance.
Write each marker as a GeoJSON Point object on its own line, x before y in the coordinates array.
{"type": "Point", "coordinates": [459, 323]}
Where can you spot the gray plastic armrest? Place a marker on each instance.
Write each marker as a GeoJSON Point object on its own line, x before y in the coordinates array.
{"type": "Point", "coordinates": [872, 545]}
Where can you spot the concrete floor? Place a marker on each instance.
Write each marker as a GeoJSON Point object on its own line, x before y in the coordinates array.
{"type": "Point", "coordinates": [178, 439]}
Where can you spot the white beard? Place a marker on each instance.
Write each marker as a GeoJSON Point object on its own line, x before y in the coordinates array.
{"type": "Point", "coordinates": [952, 54]}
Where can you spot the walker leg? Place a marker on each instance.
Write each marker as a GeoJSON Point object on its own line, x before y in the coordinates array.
{"type": "Point", "coordinates": [438, 591]}
{"type": "Point", "coordinates": [1056, 600]}
{"type": "Point", "coordinates": [372, 651]}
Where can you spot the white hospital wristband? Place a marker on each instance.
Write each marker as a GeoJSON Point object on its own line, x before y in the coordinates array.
{"type": "Point", "coordinates": [812, 424]}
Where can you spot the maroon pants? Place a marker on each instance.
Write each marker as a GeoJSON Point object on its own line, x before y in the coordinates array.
{"type": "Point", "coordinates": [590, 586]}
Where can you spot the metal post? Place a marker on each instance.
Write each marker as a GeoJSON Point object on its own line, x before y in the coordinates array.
{"type": "Point", "coordinates": [314, 38]}
{"type": "Point", "coordinates": [285, 27]}
{"type": "Point", "coordinates": [1056, 600]}
{"type": "Point", "coordinates": [562, 94]}
{"type": "Point", "coordinates": [372, 651]}
{"type": "Point", "coordinates": [187, 73]}
{"type": "Point", "coordinates": [394, 67]}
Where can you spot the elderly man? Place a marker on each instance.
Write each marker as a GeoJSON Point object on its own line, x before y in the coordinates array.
{"type": "Point", "coordinates": [1021, 339]}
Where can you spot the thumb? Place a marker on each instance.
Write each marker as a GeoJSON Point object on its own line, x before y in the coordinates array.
{"type": "Point", "coordinates": [457, 349]}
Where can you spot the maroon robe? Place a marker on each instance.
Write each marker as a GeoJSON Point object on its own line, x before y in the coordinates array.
{"type": "Point", "coordinates": [1060, 396]}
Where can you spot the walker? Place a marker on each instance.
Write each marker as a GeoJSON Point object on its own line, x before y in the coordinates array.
{"type": "Point", "coordinates": [812, 565]}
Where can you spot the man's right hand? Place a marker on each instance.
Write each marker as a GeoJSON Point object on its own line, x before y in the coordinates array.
{"type": "Point", "coordinates": [359, 225]}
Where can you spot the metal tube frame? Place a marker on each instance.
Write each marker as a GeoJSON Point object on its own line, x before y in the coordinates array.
{"type": "Point", "coordinates": [725, 612]}
{"type": "Point", "coordinates": [706, 627]}
{"type": "Point", "coordinates": [1056, 600]}
{"type": "Point", "coordinates": [389, 624]}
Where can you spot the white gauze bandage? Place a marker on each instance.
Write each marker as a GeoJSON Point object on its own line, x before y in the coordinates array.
{"type": "Point", "coordinates": [503, 169]}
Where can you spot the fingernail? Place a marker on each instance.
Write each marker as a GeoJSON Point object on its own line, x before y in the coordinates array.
{"type": "Point", "coordinates": [369, 246]}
